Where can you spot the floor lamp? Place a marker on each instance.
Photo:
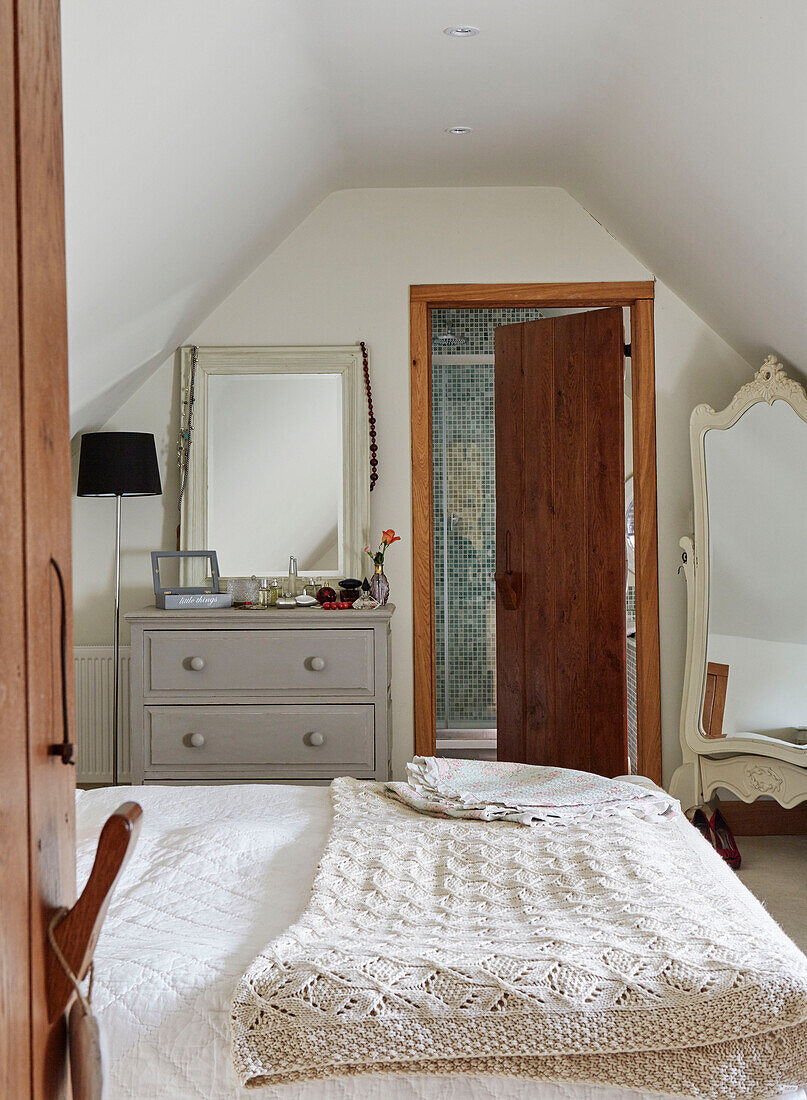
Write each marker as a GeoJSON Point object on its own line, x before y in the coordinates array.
{"type": "Point", "coordinates": [117, 464]}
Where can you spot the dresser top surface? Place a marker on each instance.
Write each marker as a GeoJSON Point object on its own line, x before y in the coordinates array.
{"type": "Point", "coordinates": [228, 617]}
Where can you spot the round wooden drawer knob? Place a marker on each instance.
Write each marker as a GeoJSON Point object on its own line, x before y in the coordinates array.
{"type": "Point", "coordinates": [315, 739]}
{"type": "Point", "coordinates": [197, 740]}
{"type": "Point", "coordinates": [197, 663]}
{"type": "Point", "coordinates": [318, 663]}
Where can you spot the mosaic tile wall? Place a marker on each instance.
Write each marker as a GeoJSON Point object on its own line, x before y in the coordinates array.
{"type": "Point", "coordinates": [475, 327]}
{"type": "Point", "coordinates": [633, 724]}
{"type": "Point", "coordinates": [464, 466]}
{"type": "Point", "coordinates": [464, 544]}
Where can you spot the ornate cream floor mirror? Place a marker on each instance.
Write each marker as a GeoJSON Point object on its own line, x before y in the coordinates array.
{"type": "Point", "coordinates": [744, 713]}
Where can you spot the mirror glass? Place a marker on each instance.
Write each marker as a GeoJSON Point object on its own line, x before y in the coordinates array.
{"type": "Point", "coordinates": [756, 483]}
{"type": "Point", "coordinates": [274, 472]}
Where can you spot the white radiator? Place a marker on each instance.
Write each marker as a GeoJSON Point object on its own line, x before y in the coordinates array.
{"type": "Point", "coordinates": [92, 666]}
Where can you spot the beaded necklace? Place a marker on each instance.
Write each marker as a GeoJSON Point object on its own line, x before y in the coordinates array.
{"type": "Point", "coordinates": [371, 417]}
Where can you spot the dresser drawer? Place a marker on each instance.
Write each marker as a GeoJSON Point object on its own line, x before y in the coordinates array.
{"type": "Point", "coordinates": [338, 737]}
{"type": "Point", "coordinates": [258, 662]}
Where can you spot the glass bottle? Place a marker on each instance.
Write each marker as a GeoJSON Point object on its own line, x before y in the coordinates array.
{"type": "Point", "coordinates": [292, 588]}
{"type": "Point", "coordinates": [379, 585]}
{"type": "Point", "coordinates": [264, 593]}
{"type": "Point", "coordinates": [274, 591]}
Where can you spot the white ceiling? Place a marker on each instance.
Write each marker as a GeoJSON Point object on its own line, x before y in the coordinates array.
{"type": "Point", "coordinates": [198, 133]}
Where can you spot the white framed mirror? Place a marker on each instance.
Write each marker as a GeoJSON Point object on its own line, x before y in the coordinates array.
{"type": "Point", "coordinates": [745, 691]}
{"type": "Point", "coordinates": [279, 459]}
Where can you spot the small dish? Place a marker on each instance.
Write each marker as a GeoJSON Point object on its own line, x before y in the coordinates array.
{"type": "Point", "coordinates": [305, 600]}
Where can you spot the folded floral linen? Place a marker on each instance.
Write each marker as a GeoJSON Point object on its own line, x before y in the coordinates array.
{"type": "Point", "coordinates": [530, 794]}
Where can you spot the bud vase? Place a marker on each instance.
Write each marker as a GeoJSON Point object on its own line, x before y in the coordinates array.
{"type": "Point", "coordinates": [379, 586]}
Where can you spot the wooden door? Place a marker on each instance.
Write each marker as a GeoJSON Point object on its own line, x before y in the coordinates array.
{"type": "Point", "coordinates": [37, 845]}
{"type": "Point", "coordinates": [560, 542]}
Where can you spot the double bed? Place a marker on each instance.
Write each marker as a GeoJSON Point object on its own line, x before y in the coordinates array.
{"type": "Point", "coordinates": [218, 873]}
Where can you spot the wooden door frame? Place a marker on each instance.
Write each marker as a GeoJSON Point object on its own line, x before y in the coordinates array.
{"type": "Point", "coordinates": [639, 297]}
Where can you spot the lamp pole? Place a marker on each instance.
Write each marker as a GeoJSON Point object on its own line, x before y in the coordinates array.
{"type": "Point", "coordinates": [116, 645]}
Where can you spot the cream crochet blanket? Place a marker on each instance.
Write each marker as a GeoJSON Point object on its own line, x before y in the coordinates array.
{"type": "Point", "coordinates": [611, 954]}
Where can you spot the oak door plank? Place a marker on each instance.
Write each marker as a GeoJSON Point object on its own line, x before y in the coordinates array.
{"type": "Point", "coordinates": [47, 494]}
{"type": "Point", "coordinates": [542, 736]}
{"type": "Point", "coordinates": [510, 489]}
{"type": "Point", "coordinates": [15, 960]}
{"type": "Point", "coordinates": [573, 746]}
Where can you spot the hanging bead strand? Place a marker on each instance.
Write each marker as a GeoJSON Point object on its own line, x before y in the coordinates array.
{"type": "Point", "coordinates": [371, 416]}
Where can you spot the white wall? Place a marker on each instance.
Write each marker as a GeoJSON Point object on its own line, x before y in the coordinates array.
{"type": "Point", "coordinates": [344, 275]}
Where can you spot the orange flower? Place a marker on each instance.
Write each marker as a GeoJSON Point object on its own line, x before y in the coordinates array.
{"type": "Point", "coordinates": [389, 537]}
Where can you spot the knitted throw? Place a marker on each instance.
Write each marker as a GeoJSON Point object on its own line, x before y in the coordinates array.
{"type": "Point", "coordinates": [611, 953]}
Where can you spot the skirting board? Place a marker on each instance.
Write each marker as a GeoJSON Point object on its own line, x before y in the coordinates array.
{"type": "Point", "coordinates": [763, 818]}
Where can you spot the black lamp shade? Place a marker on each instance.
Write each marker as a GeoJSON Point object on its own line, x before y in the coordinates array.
{"type": "Point", "coordinates": [118, 464]}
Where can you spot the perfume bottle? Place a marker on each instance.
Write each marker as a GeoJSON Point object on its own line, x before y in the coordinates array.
{"type": "Point", "coordinates": [264, 593]}
{"type": "Point", "coordinates": [292, 588]}
{"type": "Point", "coordinates": [274, 591]}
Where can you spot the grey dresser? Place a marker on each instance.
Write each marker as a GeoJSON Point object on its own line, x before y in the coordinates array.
{"type": "Point", "coordinates": [301, 694]}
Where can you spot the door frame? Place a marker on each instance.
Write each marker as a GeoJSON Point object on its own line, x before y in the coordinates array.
{"type": "Point", "coordinates": [639, 298]}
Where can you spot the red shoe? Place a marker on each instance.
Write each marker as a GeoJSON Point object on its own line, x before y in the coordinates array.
{"type": "Point", "coordinates": [701, 823]}
{"type": "Point", "coordinates": [724, 842]}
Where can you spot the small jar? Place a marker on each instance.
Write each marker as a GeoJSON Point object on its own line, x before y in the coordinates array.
{"type": "Point", "coordinates": [264, 593]}
{"type": "Point", "coordinates": [274, 591]}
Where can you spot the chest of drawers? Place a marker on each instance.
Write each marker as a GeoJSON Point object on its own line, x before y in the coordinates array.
{"type": "Point", "coordinates": [221, 695]}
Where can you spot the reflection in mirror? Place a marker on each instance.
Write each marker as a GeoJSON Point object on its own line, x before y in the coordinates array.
{"type": "Point", "coordinates": [756, 488]}
{"type": "Point", "coordinates": [275, 472]}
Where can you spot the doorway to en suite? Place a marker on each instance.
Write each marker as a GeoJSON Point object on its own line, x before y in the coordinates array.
{"type": "Point", "coordinates": [540, 643]}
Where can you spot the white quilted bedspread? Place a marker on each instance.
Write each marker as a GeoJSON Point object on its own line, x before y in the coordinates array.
{"type": "Point", "coordinates": [218, 873]}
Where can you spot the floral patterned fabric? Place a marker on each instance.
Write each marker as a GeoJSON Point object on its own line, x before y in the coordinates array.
{"type": "Point", "coordinates": [529, 794]}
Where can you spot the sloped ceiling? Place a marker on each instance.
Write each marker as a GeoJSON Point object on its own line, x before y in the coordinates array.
{"type": "Point", "coordinates": [198, 133]}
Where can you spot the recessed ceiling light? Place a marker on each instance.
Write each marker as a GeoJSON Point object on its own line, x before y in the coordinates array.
{"type": "Point", "coordinates": [460, 130]}
{"type": "Point", "coordinates": [463, 31]}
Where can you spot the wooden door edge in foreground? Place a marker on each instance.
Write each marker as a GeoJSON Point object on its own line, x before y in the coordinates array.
{"type": "Point", "coordinates": [638, 296]}
{"type": "Point", "coordinates": [36, 788]}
